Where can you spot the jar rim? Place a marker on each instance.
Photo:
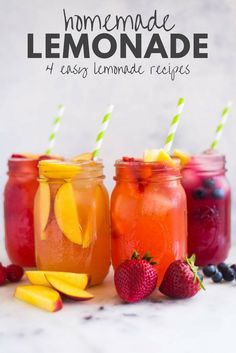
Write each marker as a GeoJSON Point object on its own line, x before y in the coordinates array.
{"type": "Point", "coordinates": [207, 161]}
{"type": "Point", "coordinates": [156, 166]}
{"type": "Point", "coordinates": [54, 169]}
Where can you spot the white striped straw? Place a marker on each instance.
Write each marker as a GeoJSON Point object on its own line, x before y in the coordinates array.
{"type": "Point", "coordinates": [100, 136]}
{"type": "Point", "coordinates": [56, 126]}
{"type": "Point", "coordinates": [173, 126]}
{"type": "Point", "coordinates": [220, 127]}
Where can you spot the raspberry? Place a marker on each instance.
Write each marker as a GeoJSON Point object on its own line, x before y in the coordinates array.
{"type": "Point", "coordinates": [14, 273]}
{"type": "Point", "coordinates": [3, 275]}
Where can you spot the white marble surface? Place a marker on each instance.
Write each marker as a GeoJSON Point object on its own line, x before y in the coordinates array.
{"type": "Point", "coordinates": [204, 323]}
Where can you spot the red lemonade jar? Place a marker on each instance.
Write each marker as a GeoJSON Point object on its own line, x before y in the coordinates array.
{"type": "Point", "coordinates": [19, 196]}
{"type": "Point", "coordinates": [209, 208]}
{"type": "Point", "coordinates": [148, 213]}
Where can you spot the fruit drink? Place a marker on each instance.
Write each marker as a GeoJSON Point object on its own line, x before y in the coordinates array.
{"type": "Point", "coordinates": [148, 212]}
{"type": "Point", "coordinates": [209, 207]}
{"type": "Point", "coordinates": [72, 230]}
{"type": "Point", "coordinates": [19, 195]}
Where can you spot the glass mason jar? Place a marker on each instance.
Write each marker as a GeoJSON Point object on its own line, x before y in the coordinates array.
{"type": "Point", "coordinates": [72, 229]}
{"type": "Point", "coordinates": [19, 195]}
{"type": "Point", "coordinates": [209, 204]}
{"type": "Point", "coordinates": [148, 213]}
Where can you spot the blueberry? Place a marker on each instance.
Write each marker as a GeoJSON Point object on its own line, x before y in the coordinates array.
{"type": "Point", "coordinates": [228, 274]}
{"type": "Point", "coordinates": [200, 276]}
{"type": "Point", "coordinates": [209, 183]}
{"type": "Point", "coordinates": [218, 194]}
{"type": "Point", "coordinates": [199, 193]}
{"type": "Point", "coordinates": [217, 277]}
{"type": "Point", "coordinates": [222, 267]}
{"type": "Point", "coordinates": [234, 268]}
{"type": "Point", "coordinates": [209, 270]}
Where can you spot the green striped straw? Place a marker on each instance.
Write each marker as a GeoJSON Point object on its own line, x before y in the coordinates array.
{"type": "Point", "coordinates": [100, 136]}
{"type": "Point", "coordinates": [56, 126]}
{"type": "Point", "coordinates": [220, 127]}
{"type": "Point", "coordinates": [174, 126]}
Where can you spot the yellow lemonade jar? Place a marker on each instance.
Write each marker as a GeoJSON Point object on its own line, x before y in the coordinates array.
{"type": "Point", "coordinates": [72, 227]}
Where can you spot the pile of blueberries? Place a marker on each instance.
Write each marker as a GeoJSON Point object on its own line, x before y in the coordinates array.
{"type": "Point", "coordinates": [208, 188]}
{"type": "Point", "coordinates": [220, 272]}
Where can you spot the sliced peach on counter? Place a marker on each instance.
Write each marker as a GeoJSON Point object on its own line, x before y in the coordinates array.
{"type": "Point", "coordinates": [69, 290]}
{"type": "Point", "coordinates": [66, 213]}
{"type": "Point", "coordinates": [80, 280]}
{"type": "Point", "coordinates": [42, 297]}
{"type": "Point", "coordinates": [52, 168]}
{"type": "Point", "coordinates": [37, 278]}
{"type": "Point", "coordinates": [42, 208]}
{"type": "Point", "coordinates": [83, 157]}
{"type": "Point", "coordinates": [183, 157]}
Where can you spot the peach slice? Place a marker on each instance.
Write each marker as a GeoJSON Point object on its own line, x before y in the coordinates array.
{"type": "Point", "coordinates": [92, 215]}
{"type": "Point", "coordinates": [68, 289]}
{"type": "Point", "coordinates": [83, 157]}
{"type": "Point", "coordinates": [90, 227]}
{"type": "Point", "coordinates": [42, 297]}
{"type": "Point", "coordinates": [42, 208]}
{"type": "Point", "coordinates": [80, 280]}
{"type": "Point", "coordinates": [66, 213]}
{"type": "Point", "coordinates": [52, 168]}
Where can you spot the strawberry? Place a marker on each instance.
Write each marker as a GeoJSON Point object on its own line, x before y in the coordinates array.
{"type": "Point", "coordinates": [136, 279]}
{"type": "Point", "coordinates": [3, 275]}
{"type": "Point", "coordinates": [181, 279]}
{"type": "Point", "coordinates": [14, 273]}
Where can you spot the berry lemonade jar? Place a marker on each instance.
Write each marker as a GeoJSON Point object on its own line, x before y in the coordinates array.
{"type": "Point", "coordinates": [72, 229]}
{"type": "Point", "coordinates": [19, 196]}
{"type": "Point", "coordinates": [209, 204]}
{"type": "Point", "coordinates": [148, 213]}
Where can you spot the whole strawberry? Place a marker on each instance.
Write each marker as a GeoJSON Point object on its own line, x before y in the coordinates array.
{"type": "Point", "coordinates": [136, 279]}
{"type": "Point", "coordinates": [181, 279]}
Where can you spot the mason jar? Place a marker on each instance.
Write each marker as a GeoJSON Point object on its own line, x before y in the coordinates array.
{"type": "Point", "coordinates": [148, 213]}
{"type": "Point", "coordinates": [19, 196]}
{"type": "Point", "coordinates": [209, 208]}
{"type": "Point", "coordinates": [72, 228]}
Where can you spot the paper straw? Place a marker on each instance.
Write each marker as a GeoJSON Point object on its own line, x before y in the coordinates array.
{"type": "Point", "coordinates": [56, 126]}
{"type": "Point", "coordinates": [174, 126]}
{"type": "Point", "coordinates": [101, 133]}
{"type": "Point", "coordinates": [220, 127]}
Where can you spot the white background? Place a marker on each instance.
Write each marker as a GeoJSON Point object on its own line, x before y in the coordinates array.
{"type": "Point", "coordinates": [144, 105]}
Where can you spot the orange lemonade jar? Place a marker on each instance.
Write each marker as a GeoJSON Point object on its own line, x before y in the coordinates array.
{"type": "Point", "coordinates": [148, 212]}
{"type": "Point", "coordinates": [72, 230]}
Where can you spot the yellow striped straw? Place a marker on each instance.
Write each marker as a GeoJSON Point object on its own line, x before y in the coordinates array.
{"type": "Point", "coordinates": [101, 133]}
{"type": "Point", "coordinates": [220, 127]}
{"type": "Point", "coordinates": [56, 126]}
{"type": "Point", "coordinates": [174, 125]}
